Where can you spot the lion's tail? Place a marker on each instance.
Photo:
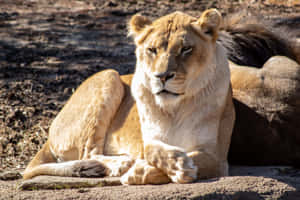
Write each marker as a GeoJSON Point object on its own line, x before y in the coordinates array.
{"type": "Point", "coordinates": [251, 41]}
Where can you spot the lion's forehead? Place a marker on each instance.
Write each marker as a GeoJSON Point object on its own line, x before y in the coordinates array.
{"type": "Point", "coordinates": [173, 22]}
{"type": "Point", "coordinates": [170, 30]}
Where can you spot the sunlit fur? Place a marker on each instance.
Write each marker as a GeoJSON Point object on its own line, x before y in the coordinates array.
{"type": "Point", "coordinates": [199, 102]}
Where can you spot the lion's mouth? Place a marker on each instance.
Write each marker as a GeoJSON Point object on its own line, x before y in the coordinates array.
{"type": "Point", "coordinates": [162, 92]}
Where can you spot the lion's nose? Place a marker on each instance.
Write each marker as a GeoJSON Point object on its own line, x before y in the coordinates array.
{"type": "Point", "coordinates": [165, 76]}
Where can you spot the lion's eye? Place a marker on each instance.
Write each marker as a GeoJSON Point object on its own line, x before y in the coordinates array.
{"type": "Point", "coordinates": [186, 50]}
{"type": "Point", "coordinates": [152, 50]}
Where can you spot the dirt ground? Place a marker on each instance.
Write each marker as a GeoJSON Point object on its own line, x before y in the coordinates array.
{"type": "Point", "coordinates": [245, 183]}
{"type": "Point", "coordinates": [48, 47]}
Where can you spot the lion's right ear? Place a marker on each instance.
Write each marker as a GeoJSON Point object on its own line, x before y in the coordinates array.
{"type": "Point", "coordinates": [137, 23]}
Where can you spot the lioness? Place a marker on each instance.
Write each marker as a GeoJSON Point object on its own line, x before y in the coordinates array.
{"type": "Point", "coordinates": [171, 120]}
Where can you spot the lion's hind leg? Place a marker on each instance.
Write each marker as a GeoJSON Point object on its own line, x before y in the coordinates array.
{"type": "Point", "coordinates": [78, 132]}
{"type": "Point", "coordinates": [43, 156]}
{"type": "Point", "coordinates": [74, 168]}
{"type": "Point", "coordinates": [44, 163]}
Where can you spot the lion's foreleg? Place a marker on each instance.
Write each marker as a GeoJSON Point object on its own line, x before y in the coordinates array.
{"type": "Point", "coordinates": [171, 160]}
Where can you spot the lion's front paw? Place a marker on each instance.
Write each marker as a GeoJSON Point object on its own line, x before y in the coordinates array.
{"type": "Point", "coordinates": [181, 167]}
{"type": "Point", "coordinates": [175, 163]}
{"type": "Point", "coordinates": [143, 173]}
{"type": "Point", "coordinates": [134, 176]}
{"type": "Point", "coordinates": [119, 165]}
{"type": "Point", "coordinates": [116, 165]}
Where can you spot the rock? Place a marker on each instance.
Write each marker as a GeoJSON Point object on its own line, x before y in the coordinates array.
{"type": "Point", "coordinates": [267, 102]}
{"type": "Point", "coordinates": [247, 183]}
{"type": "Point", "coordinates": [10, 175]}
{"type": "Point", "coordinates": [55, 182]}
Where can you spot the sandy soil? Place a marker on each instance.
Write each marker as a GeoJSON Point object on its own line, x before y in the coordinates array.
{"type": "Point", "coordinates": [48, 47]}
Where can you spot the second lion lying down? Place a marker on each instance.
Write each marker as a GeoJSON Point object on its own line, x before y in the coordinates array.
{"type": "Point", "coordinates": [171, 120]}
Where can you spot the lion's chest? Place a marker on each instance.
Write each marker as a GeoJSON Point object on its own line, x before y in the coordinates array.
{"type": "Point", "coordinates": [188, 132]}
{"type": "Point", "coordinates": [188, 136]}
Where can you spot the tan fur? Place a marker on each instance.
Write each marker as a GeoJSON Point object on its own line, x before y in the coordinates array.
{"type": "Point", "coordinates": [179, 126]}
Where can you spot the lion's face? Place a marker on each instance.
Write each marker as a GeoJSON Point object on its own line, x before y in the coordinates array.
{"type": "Point", "coordinates": [175, 54]}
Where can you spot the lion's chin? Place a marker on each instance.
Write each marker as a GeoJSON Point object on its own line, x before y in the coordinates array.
{"type": "Point", "coordinates": [168, 100]}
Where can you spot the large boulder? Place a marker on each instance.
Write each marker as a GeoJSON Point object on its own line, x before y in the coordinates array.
{"type": "Point", "coordinates": [267, 102]}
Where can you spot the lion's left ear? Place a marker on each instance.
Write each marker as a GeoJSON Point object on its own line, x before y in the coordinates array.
{"type": "Point", "coordinates": [209, 23]}
{"type": "Point", "coordinates": [137, 23]}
